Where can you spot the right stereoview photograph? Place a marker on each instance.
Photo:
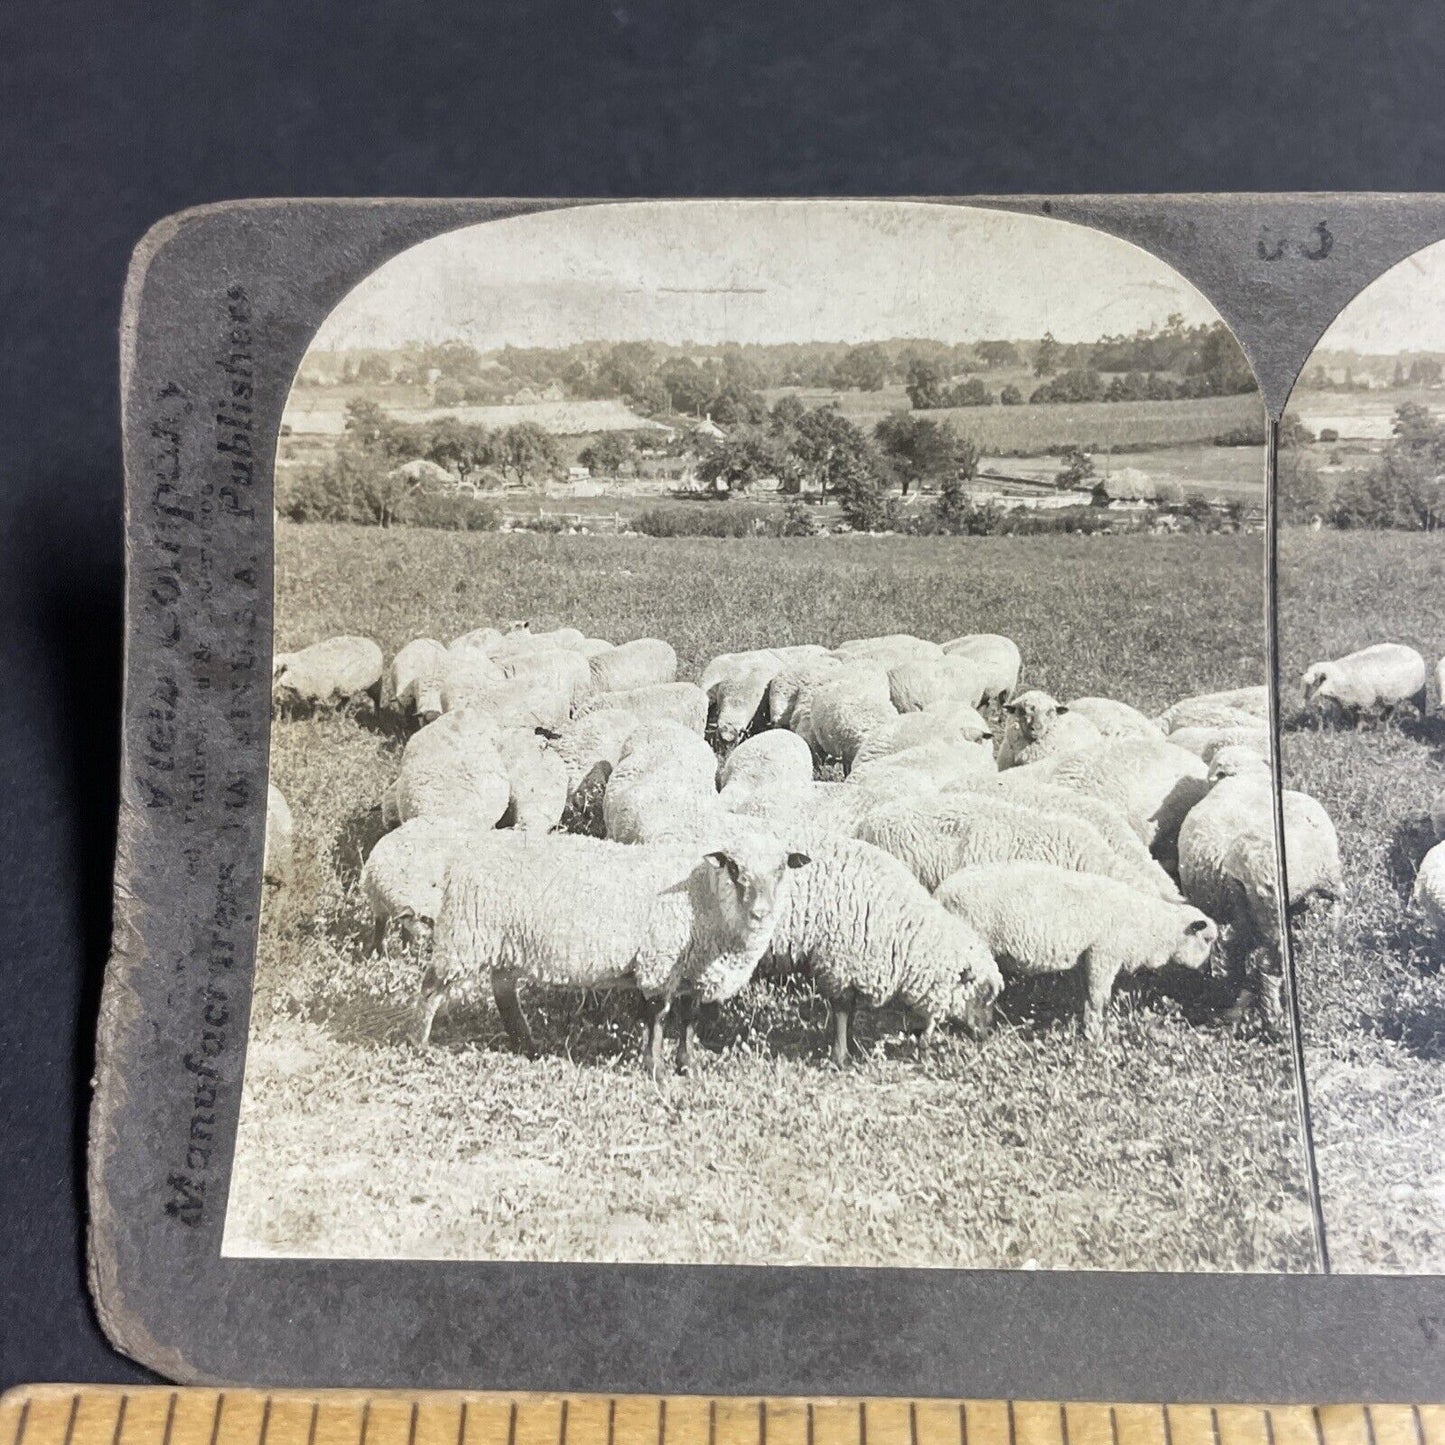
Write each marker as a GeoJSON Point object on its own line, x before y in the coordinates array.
{"type": "Point", "coordinates": [1361, 616]}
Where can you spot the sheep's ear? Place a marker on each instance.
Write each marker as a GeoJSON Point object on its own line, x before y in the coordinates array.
{"type": "Point", "coordinates": [798, 860]}
{"type": "Point", "coordinates": [1197, 925]}
{"type": "Point", "coordinates": [985, 736]}
{"type": "Point", "coordinates": [720, 858]}
{"type": "Point", "coordinates": [1014, 706]}
{"type": "Point", "coordinates": [1059, 709]}
{"type": "Point", "coordinates": [548, 733]}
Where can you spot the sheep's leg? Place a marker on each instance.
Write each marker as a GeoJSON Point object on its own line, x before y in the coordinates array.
{"type": "Point", "coordinates": [433, 990]}
{"type": "Point", "coordinates": [504, 990]}
{"type": "Point", "coordinates": [687, 1017]}
{"type": "Point", "coordinates": [1098, 975]}
{"type": "Point", "coordinates": [654, 1014]}
{"type": "Point", "coordinates": [843, 1039]}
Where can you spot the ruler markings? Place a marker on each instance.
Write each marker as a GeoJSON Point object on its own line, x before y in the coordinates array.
{"type": "Point", "coordinates": [21, 1423]}
{"type": "Point", "coordinates": [1415, 1416]}
{"type": "Point", "coordinates": [70, 1419]}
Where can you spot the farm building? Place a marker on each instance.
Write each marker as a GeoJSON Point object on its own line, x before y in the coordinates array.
{"type": "Point", "coordinates": [1127, 490]}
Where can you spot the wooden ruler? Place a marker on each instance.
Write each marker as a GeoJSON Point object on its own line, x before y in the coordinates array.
{"type": "Point", "coordinates": [102, 1415]}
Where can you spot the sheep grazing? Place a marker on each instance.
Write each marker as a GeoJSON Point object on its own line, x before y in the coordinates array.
{"type": "Point", "coordinates": [772, 763]}
{"type": "Point", "coordinates": [1019, 788]}
{"type": "Point", "coordinates": [555, 669]}
{"type": "Point", "coordinates": [914, 684]}
{"type": "Point", "coordinates": [544, 700]}
{"type": "Point", "coordinates": [521, 639]}
{"type": "Point", "coordinates": [537, 779]}
{"type": "Point", "coordinates": [838, 714]}
{"type": "Point", "coordinates": [412, 687]}
{"type": "Point", "coordinates": [584, 913]}
{"type": "Point", "coordinates": [897, 647]}
{"type": "Point", "coordinates": [1113, 719]}
{"type": "Point", "coordinates": [996, 657]}
{"type": "Point", "coordinates": [935, 838]}
{"type": "Point", "coordinates": [1038, 727]}
{"type": "Point", "coordinates": [1204, 713]}
{"type": "Point", "coordinates": [334, 673]}
{"type": "Point", "coordinates": [1427, 896]}
{"type": "Point", "coordinates": [1205, 742]}
{"type": "Point", "coordinates": [953, 723]}
{"type": "Point", "coordinates": [679, 702]}
{"type": "Point", "coordinates": [1205, 705]}
{"type": "Point", "coordinates": [642, 663]}
{"type": "Point", "coordinates": [1227, 860]}
{"type": "Point", "coordinates": [478, 640]}
{"type": "Point", "coordinates": [663, 788]}
{"type": "Point", "coordinates": [592, 739]}
{"type": "Point", "coordinates": [1150, 781]}
{"type": "Point", "coordinates": [1037, 919]}
{"type": "Point", "coordinates": [864, 681]}
{"type": "Point", "coordinates": [941, 762]}
{"type": "Point", "coordinates": [861, 925]}
{"type": "Point", "coordinates": [403, 875]}
{"type": "Point", "coordinates": [278, 853]}
{"type": "Point", "coordinates": [451, 769]}
{"type": "Point", "coordinates": [1370, 683]}
{"type": "Point", "coordinates": [737, 685]}
{"type": "Point", "coordinates": [790, 682]}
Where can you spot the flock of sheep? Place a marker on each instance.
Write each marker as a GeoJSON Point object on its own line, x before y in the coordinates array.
{"type": "Point", "coordinates": [567, 812]}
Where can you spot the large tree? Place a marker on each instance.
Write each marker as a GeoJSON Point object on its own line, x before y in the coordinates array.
{"type": "Point", "coordinates": [526, 453]}
{"type": "Point", "coordinates": [922, 449]}
{"type": "Point", "coordinates": [862, 368]}
{"type": "Point", "coordinates": [460, 447]}
{"type": "Point", "coordinates": [1046, 357]}
{"type": "Point", "coordinates": [742, 457]}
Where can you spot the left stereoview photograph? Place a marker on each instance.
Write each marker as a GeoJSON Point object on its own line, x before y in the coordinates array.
{"type": "Point", "coordinates": [744, 673]}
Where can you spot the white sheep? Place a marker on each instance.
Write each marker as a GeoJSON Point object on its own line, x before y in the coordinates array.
{"type": "Point", "coordinates": [403, 875]}
{"type": "Point", "coordinates": [594, 738]}
{"type": "Point", "coordinates": [1252, 700]}
{"type": "Point", "coordinates": [867, 932]}
{"type": "Point", "coordinates": [584, 913]}
{"type": "Point", "coordinates": [776, 761]}
{"type": "Point", "coordinates": [995, 656]}
{"type": "Point", "coordinates": [522, 639]}
{"type": "Point", "coordinates": [1112, 718]}
{"type": "Point", "coordinates": [791, 680]}
{"type": "Point", "coordinates": [1427, 895]}
{"type": "Point", "coordinates": [333, 673]}
{"type": "Point", "coordinates": [641, 663]}
{"type": "Point", "coordinates": [839, 716]}
{"type": "Point", "coordinates": [1205, 713]}
{"type": "Point", "coordinates": [278, 852]}
{"type": "Point", "coordinates": [914, 684]}
{"type": "Point", "coordinates": [554, 669]}
{"type": "Point", "coordinates": [1205, 742]}
{"type": "Point", "coordinates": [537, 780]}
{"type": "Point", "coordinates": [451, 769]}
{"type": "Point", "coordinates": [1040, 727]}
{"type": "Point", "coordinates": [889, 651]}
{"type": "Point", "coordinates": [1228, 864]}
{"type": "Point", "coordinates": [680, 702]}
{"type": "Point", "coordinates": [866, 681]}
{"type": "Point", "coordinates": [1150, 781]}
{"type": "Point", "coordinates": [938, 837]}
{"type": "Point", "coordinates": [954, 723]}
{"type": "Point", "coordinates": [942, 762]}
{"type": "Point", "coordinates": [412, 687]}
{"type": "Point", "coordinates": [663, 788]}
{"type": "Point", "coordinates": [591, 647]}
{"type": "Point", "coordinates": [1370, 683]}
{"type": "Point", "coordinates": [479, 639]}
{"type": "Point", "coordinates": [544, 700]}
{"type": "Point", "coordinates": [737, 699]}
{"type": "Point", "coordinates": [1020, 788]}
{"type": "Point", "coordinates": [1040, 919]}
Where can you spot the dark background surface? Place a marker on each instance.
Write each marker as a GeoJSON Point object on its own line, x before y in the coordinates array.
{"type": "Point", "coordinates": [113, 116]}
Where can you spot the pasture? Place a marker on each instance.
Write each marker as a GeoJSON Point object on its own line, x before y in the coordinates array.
{"type": "Point", "coordinates": [1371, 988]}
{"type": "Point", "coordinates": [1029, 430]}
{"type": "Point", "coordinates": [1174, 1144]}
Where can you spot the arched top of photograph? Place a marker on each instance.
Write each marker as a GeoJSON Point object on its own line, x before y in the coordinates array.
{"type": "Point", "coordinates": [907, 365]}
{"type": "Point", "coordinates": [1362, 440]}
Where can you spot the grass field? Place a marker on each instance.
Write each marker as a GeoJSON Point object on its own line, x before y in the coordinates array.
{"type": "Point", "coordinates": [1371, 986]}
{"type": "Point", "coordinates": [1028, 429]}
{"type": "Point", "coordinates": [1172, 1145]}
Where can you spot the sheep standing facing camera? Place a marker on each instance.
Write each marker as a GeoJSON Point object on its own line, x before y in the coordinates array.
{"type": "Point", "coordinates": [585, 913]}
{"type": "Point", "coordinates": [1038, 727]}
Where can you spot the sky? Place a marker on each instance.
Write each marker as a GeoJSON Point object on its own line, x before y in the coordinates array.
{"type": "Point", "coordinates": [761, 271]}
{"type": "Point", "coordinates": [1404, 310]}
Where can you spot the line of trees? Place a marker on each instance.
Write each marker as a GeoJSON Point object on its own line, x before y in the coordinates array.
{"type": "Point", "coordinates": [1403, 489]}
